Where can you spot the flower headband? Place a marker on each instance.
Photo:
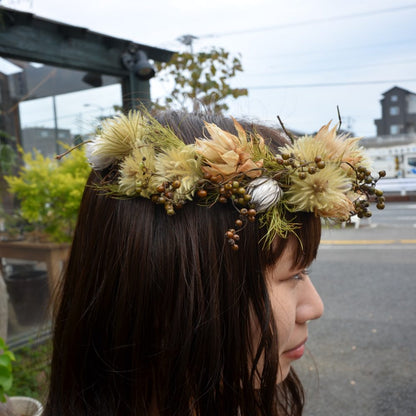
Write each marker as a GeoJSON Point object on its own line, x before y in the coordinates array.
{"type": "Point", "coordinates": [327, 174]}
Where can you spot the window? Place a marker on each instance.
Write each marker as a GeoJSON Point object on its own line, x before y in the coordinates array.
{"type": "Point", "coordinates": [394, 129]}
{"type": "Point", "coordinates": [393, 98]}
{"type": "Point", "coordinates": [394, 110]}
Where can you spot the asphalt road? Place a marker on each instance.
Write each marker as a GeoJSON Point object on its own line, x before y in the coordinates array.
{"type": "Point", "coordinates": [362, 352]}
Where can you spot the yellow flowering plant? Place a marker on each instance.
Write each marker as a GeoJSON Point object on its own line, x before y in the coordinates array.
{"type": "Point", "coordinates": [49, 193]}
{"type": "Point", "coordinates": [327, 174]}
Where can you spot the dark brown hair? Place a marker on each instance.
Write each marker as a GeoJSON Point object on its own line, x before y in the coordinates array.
{"type": "Point", "coordinates": [155, 311]}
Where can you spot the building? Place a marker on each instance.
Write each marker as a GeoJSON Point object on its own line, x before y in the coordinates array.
{"type": "Point", "coordinates": [398, 113]}
{"type": "Point", "coordinates": [47, 141]}
{"type": "Point", "coordinates": [394, 147]}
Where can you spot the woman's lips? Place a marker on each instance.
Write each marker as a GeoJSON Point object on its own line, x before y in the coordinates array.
{"type": "Point", "coordinates": [296, 352]}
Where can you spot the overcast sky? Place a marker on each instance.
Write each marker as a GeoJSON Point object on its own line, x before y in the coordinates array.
{"type": "Point", "coordinates": [301, 58]}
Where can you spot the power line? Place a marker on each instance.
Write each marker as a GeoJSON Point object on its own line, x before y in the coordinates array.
{"type": "Point", "coordinates": [309, 22]}
{"type": "Point", "coordinates": [329, 84]}
{"type": "Point", "coordinates": [338, 49]}
{"type": "Point", "coordinates": [309, 70]}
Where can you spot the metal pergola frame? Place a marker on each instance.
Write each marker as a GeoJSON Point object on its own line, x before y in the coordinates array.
{"type": "Point", "coordinates": [27, 37]}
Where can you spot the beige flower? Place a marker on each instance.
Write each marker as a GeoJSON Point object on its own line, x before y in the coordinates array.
{"type": "Point", "coordinates": [324, 193]}
{"type": "Point", "coordinates": [330, 147]}
{"type": "Point", "coordinates": [227, 155]}
{"type": "Point", "coordinates": [136, 170]}
{"type": "Point", "coordinates": [117, 139]}
{"type": "Point", "coordinates": [182, 164]}
{"type": "Point", "coordinates": [342, 148]}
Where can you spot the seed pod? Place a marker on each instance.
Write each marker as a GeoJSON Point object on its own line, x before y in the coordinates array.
{"type": "Point", "coordinates": [265, 192]}
{"type": "Point", "coordinates": [239, 223]}
{"type": "Point", "coordinates": [176, 184]}
{"type": "Point", "coordinates": [229, 234]}
{"type": "Point", "coordinates": [302, 175]}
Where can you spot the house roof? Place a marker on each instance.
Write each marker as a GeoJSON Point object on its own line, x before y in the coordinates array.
{"type": "Point", "coordinates": [396, 88]}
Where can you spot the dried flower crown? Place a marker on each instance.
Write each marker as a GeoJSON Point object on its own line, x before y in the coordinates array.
{"type": "Point", "coordinates": [327, 174]}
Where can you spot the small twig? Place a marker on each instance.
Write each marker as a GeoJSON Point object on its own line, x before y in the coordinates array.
{"type": "Point", "coordinates": [59, 157]}
{"type": "Point", "coordinates": [286, 132]}
{"type": "Point", "coordinates": [339, 119]}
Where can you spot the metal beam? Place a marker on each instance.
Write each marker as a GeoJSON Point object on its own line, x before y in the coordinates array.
{"type": "Point", "coordinates": [28, 37]}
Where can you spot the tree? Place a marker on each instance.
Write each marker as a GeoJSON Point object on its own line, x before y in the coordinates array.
{"type": "Point", "coordinates": [201, 80]}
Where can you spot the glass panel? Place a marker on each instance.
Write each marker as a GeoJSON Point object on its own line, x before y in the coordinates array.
{"type": "Point", "coordinates": [46, 109]}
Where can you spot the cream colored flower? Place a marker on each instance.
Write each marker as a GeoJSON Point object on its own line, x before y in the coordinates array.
{"type": "Point", "coordinates": [182, 164]}
{"type": "Point", "coordinates": [227, 155]}
{"type": "Point", "coordinates": [306, 148]}
{"type": "Point", "coordinates": [330, 147]}
{"type": "Point", "coordinates": [324, 193]}
{"type": "Point", "coordinates": [342, 148]}
{"type": "Point", "coordinates": [117, 139]}
{"type": "Point", "coordinates": [136, 171]}
{"type": "Point", "coordinates": [97, 159]}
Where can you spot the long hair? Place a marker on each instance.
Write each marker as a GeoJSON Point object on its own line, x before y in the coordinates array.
{"type": "Point", "coordinates": [155, 311]}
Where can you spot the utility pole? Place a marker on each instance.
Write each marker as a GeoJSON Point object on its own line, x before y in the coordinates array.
{"type": "Point", "coordinates": [188, 40]}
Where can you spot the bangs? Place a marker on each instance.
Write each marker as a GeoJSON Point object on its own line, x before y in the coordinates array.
{"type": "Point", "coordinates": [305, 241]}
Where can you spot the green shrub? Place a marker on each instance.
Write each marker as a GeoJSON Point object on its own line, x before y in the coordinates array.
{"type": "Point", "coordinates": [6, 375]}
{"type": "Point", "coordinates": [49, 192]}
{"type": "Point", "coordinates": [31, 371]}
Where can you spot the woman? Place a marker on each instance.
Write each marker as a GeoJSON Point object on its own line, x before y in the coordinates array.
{"type": "Point", "coordinates": [187, 291]}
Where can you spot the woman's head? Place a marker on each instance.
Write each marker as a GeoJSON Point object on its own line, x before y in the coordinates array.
{"type": "Point", "coordinates": [159, 315]}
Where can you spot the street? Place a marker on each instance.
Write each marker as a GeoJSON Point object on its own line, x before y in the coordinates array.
{"type": "Point", "coordinates": [361, 356]}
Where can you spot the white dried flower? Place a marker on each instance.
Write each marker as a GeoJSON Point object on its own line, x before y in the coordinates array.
{"type": "Point", "coordinates": [98, 161]}
{"type": "Point", "coordinates": [265, 192]}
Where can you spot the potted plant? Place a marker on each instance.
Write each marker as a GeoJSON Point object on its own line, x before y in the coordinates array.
{"type": "Point", "coordinates": [17, 405]}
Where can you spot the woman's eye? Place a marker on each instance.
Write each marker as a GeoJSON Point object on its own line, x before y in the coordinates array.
{"type": "Point", "coordinates": [298, 276]}
{"type": "Point", "coordinates": [301, 275]}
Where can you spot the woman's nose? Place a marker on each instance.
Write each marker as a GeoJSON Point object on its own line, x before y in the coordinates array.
{"type": "Point", "coordinates": [310, 304]}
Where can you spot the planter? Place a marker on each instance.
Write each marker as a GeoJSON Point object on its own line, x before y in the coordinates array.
{"type": "Point", "coordinates": [23, 406]}
{"type": "Point", "coordinates": [54, 255]}
{"type": "Point", "coordinates": [29, 294]}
